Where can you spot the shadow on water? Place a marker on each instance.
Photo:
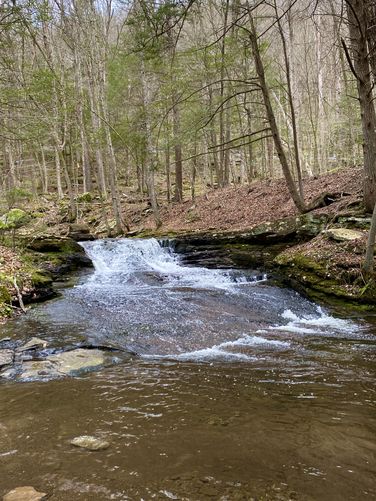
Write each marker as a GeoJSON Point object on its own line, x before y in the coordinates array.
{"type": "Point", "coordinates": [240, 389]}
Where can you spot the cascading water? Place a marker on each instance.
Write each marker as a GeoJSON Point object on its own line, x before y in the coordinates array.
{"type": "Point", "coordinates": [140, 297]}
{"type": "Point", "coordinates": [126, 262]}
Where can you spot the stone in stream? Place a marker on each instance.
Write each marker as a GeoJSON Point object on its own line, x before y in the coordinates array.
{"type": "Point", "coordinates": [58, 365]}
{"type": "Point", "coordinates": [73, 361]}
{"type": "Point", "coordinates": [26, 493]}
{"type": "Point", "coordinates": [6, 357]}
{"type": "Point", "coordinates": [33, 344]}
{"type": "Point", "coordinates": [90, 443]}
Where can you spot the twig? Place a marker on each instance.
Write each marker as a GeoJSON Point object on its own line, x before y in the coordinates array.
{"type": "Point", "coordinates": [19, 295]}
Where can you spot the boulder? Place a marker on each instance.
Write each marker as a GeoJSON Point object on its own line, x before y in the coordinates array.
{"type": "Point", "coordinates": [343, 234]}
{"type": "Point", "coordinates": [363, 223]}
{"type": "Point", "coordinates": [90, 443]}
{"type": "Point", "coordinates": [26, 493]}
{"type": "Point", "coordinates": [35, 369]}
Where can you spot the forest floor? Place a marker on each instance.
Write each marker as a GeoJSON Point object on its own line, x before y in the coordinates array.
{"type": "Point", "coordinates": [239, 208]}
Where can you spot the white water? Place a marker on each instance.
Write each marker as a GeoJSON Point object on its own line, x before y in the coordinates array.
{"type": "Point", "coordinates": [142, 297]}
{"type": "Point", "coordinates": [124, 258]}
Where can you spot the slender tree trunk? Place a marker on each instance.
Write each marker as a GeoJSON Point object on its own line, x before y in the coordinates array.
{"type": "Point", "coordinates": [223, 127]}
{"type": "Point", "coordinates": [178, 195]}
{"type": "Point", "coordinates": [149, 153]}
{"type": "Point", "coordinates": [168, 173]}
{"type": "Point", "coordinates": [86, 170]}
{"type": "Point", "coordinates": [297, 199]}
{"type": "Point", "coordinates": [290, 99]}
{"type": "Point", "coordinates": [44, 169]}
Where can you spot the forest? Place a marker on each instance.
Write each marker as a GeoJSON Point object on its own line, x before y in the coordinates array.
{"type": "Point", "coordinates": [172, 98]}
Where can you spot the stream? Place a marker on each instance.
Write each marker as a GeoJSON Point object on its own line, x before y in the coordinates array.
{"type": "Point", "coordinates": [235, 389]}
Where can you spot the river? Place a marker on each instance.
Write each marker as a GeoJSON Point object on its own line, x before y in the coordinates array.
{"type": "Point", "coordinates": [236, 389]}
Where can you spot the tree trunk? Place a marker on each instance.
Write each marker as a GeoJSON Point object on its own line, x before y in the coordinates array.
{"type": "Point", "coordinates": [290, 98]}
{"type": "Point", "coordinates": [357, 18]}
{"type": "Point", "coordinates": [178, 195]}
{"type": "Point", "coordinates": [369, 258]}
{"type": "Point", "coordinates": [297, 199]}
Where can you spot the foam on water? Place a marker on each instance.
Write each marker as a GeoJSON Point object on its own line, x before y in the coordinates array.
{"type": "Point", "coordinates": [221, 351]}
{"type": "Point", "coordinates": [321, 322]}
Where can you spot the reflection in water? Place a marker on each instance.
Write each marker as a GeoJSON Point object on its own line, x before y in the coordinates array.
{"type": "Point", "coordinates": [240, 390]}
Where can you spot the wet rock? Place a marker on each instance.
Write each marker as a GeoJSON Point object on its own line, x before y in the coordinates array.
{"type": "Point", "coordinates": [90, 443]}
{"type": "Point", "coordinates": [57, 365]}
{"type": "Point", "coordinates": [6, 357]}
{"type": "Point", "coordinates": [343, 234]}
{"type": "Point", "coordinates": [35, 369]}
{"type": "Point", "coordinates": [26, 493]}
{"type": "Point", "coordinates": [255, 247]}
{"type": "Point", "coordinates": [33, 344]}
{"type": "Point", "coordinates": [73, 361]}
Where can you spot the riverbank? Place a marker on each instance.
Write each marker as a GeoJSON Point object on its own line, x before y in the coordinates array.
{"type": "Point", "coordinates": [319, 254]}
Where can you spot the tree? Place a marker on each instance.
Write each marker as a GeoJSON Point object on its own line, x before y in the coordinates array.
{"type": "Point", "coordinates": [359, 61]}
{"type": "Point", "coordinates": [295, 195]}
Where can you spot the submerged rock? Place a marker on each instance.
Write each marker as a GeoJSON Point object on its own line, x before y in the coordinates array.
{"type": "Point", "coordinates": [26, 493]}
{"type": "Point", "coordinates": [89, 442]}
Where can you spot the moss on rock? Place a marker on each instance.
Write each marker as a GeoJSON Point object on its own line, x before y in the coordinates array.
{"type": "Point", "coordinates": [327, 272]}
{"type": "Point", "coordinates": [14, 219]}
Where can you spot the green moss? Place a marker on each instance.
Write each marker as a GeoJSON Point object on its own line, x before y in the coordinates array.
{"type": "Point", "coordinates": [5, 296]}
{"type": "Point", "coordinates": [85, 197]}
{"type": "Point", "coordinates": [40, 278]}
{"type": "Point", "coordinates": [14, 219]}
{"type": "Point", "coordinates": [324, 283]}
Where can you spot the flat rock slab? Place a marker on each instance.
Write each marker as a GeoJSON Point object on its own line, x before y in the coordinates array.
{"type": "Point", "coordinates": [70, 362]}
{"type": "Point", "coordinates": [58, 365]}
{"type": "Point", "coordinates": [90, 443]}
{"type": "Point", "coordinates": [33, 344]}
{"type": "Point", "coordinates": [24, 494]}
{"type": "Point", "coordinates": [6, 357]}
{"type": "Point", "coordinates": [343, 234]}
